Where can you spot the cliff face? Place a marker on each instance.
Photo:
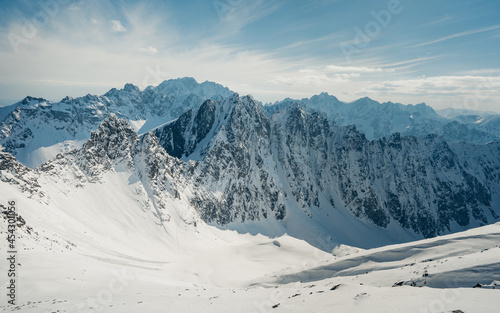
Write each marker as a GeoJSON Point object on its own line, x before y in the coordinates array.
{"type": "Point", "coordinates": [254, 163]}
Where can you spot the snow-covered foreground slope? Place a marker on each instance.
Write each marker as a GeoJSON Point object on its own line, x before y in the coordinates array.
{"type": "Point", "coordinates": [106, 254]}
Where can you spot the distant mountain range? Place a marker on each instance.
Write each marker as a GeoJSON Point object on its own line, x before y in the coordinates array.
{"type": "Point", "coordinates": [36, 130]}
{"type": "Point", "coordinates": [378, 120]}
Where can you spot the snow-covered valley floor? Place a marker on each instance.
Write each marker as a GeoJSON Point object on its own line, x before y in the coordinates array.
{"type": "Point", "coordinates": [231, 272]}
{"type": "Point", "coordinates": [102, 249]}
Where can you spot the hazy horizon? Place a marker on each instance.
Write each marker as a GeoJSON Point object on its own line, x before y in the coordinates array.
{"type": "Point", "coordinates": [4, 103]}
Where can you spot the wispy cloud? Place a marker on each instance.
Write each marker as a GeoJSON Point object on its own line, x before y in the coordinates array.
{"type": "Point", "coordinates": [322, 75]}
{"type": "Point", "coordinates": [354, 69]}
{"type": "Point", "coordinates": [439, 21]}
{"type": "Point", "coordinates": [405, 63]}
{"type": "Point", "coordinates": [485, 72]}
{"type": "Point", "coordinates": [301, 80]}
{"type": "Point", "coordinates": [333, 37]}
{"type": "Point", "coordinates": [477, 92]}
{"type": "Point", "coordinates": [149, 50]}
{"type": "Point", "coordinates": [241, 15]}
{"type": "Point", "coordinates": [117, 27]}
{"type": "Point", "coordinates": [466, 33]}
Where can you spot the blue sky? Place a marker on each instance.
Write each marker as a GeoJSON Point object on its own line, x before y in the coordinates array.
{"type": "Point", "coordinates": [445, 53]}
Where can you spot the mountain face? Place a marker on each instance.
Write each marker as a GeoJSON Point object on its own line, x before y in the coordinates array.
{"type": "Point", "coordinates": [35, 130]}
{"type": "Point", "coordinates": [229, 162]}
{"type": "Point", "coordinates": [489, 123]}
{"type": "Point", "coordinates": [115, 150]}
{"type": "Point", "coordinates": [424, 185]}
{"type": "Point", "coordinates": [378, 120]}
{"type": "Point", "coordinates": [234, 176]}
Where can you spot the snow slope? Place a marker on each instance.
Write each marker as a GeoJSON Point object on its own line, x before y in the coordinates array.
{"type": "Point", "coordinates": [105, 254]}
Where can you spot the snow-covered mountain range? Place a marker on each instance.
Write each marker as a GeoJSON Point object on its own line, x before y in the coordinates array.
{"type": "Point", "coordinates": [229, 163]}
{"type": "Point", "coordinates": [203, 196]}
{"type": "Point", "coordinates": [295, 159]}
{"type": "Point", "coordinates": [378, 120]}
{"type": "Point", "coordinates": [36, 130]}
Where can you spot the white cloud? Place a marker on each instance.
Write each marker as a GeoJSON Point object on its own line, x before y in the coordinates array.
{"type": "Point", "coordinates": [240, 15]}
{"type": "Point", "coordinates": [326, 74]}
{"type": "Point", "coordinates": [318, 76]}
{"type": "Point", "coordinates": [74, 7]}
{"type": "Point", "coordinates": [354, 69]}
{"type": "Point", "coordinates": [299, 80]}
{"type": "Point", "coordinates": [480, 85]}
{"type": "Point", "coordinates": [486, 72]}
{"type": "Point", "coordinates": [469, 92]}
{"type": "Point", "coordinates": [466, 33]}
{"type": "Point", "coordinates": [117, 27]}
{"type": "Point", "coordinates": [439, 21]}
{"type": "Point", "coordinates": [149, 50]}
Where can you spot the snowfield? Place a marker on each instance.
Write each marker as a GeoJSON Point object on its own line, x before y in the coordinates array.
{"type": "Point", "coordinates": [106, 254]}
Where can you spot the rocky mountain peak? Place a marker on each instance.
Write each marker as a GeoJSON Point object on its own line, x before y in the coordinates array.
{"type": "Point", "coordinates": [112, 141]}
{"type": "Point", "coordinates": [324, 97]}
{"type": "Point", "coordinates": [70, 121]}
{"type": "Point", "coordinates": [29, 100]}
{"type": "Point", "coordinates": [131, 88]}
{"type": "Point", "coordinates": [184, 82]}
{"type": "Point", "coordinates": [67, 99]}
{"type": "Point", "coordinates": [194, 132]}
{"type": "Point", "coordinates": [114, 129]}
